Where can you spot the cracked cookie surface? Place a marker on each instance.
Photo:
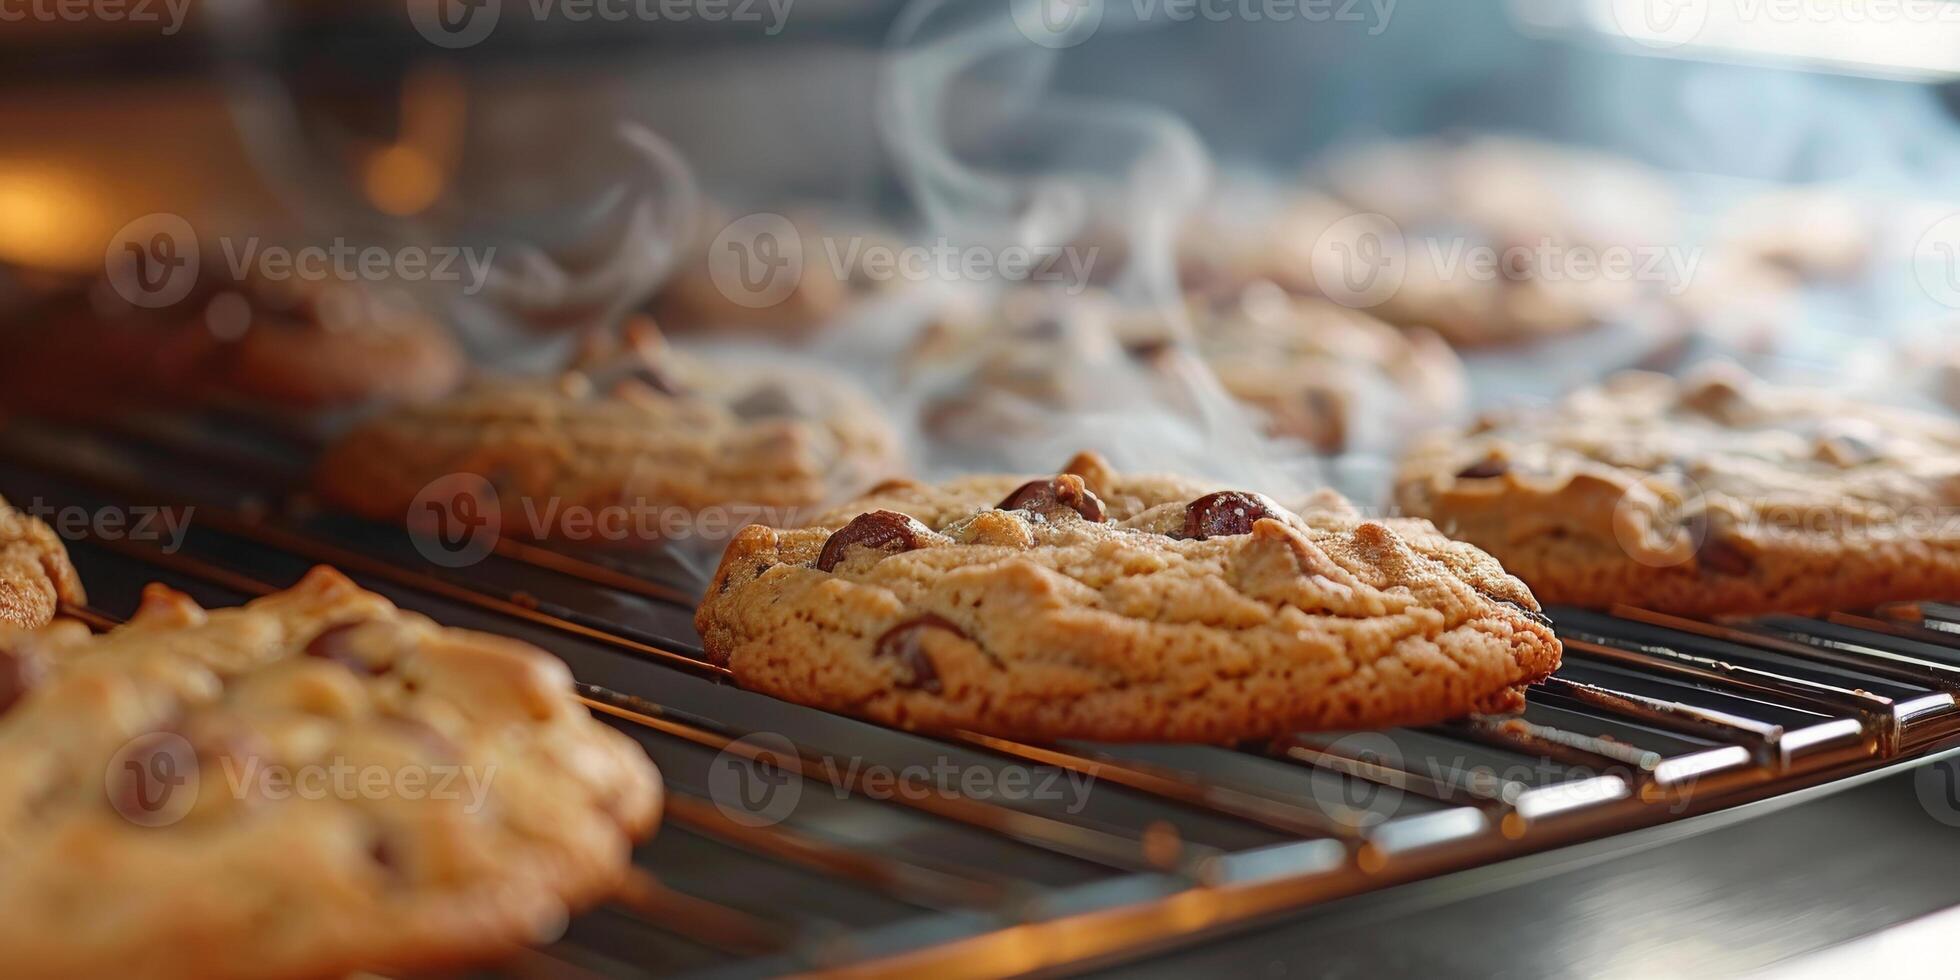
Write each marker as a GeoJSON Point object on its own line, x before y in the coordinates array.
{"type": "Point", "coordinates": [35, 574]}
{"type": "Point", "coordinates": [657, 429]}
{"type": "Point", "coordinates": [308, 785]}
{"type": "Point", "coordinates": [1717, 494]}
{"type": "Point", "coordinates": [1121, 608]}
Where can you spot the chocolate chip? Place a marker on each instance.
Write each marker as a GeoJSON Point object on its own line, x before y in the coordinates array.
{"type": "Point", "coordinates": [1051, 495]}
{"type": "Point", "coordinates": [906, 643]}
{"type": "Point", "coordinates": [383, 854]}
{"type": "Point", "coordinates": [1489, 469]}
{"type": "Point", "coordinates": [767, 402]}
{"type": "Point", "coordinates": [1531, 614]}
{"type": "Point", "coordinates": [1724, 558]}
{"type": "Point", "coordinates": [19, 674]}
{"type": "Point", "coordinates": [1225, 513]}
{"type": "Point", "coordinates": [336, 643]}
{"type": "Point", "coordinates": [1148, 349]}
{"type": "Point", "coordinates": [882, 529]}
{"type": "Point", "coordinates": [658, 380]}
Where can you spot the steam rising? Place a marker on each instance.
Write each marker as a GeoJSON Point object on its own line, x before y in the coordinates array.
{"type": "Point", "coordinates": [1086, 174]}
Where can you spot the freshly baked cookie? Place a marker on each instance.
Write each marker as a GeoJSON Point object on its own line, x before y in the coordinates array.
{"type": "Point", "coordinates": [35, 575]}
{"type": "Point", "coordinates": [1312, 370]}
{"type": "Point", "coordinates": [1503, 238]}
{"type": "Point", "coordinates": [1101, 606]}
{"type": "Point", "coordinates": [312, 784]}
{"type": "Point", "coordinates": [727, 290]}
{"type": "Point", "coordinates": [1718, 494]}
{"type": "Point", "coordinates": [653, 429]}
{"type": "Point", "coordinates": [1815, 234]}
{"type": "Point", "coordinates": [1332, 377]}
{"type": "Point", "coordinates": [285, 345]}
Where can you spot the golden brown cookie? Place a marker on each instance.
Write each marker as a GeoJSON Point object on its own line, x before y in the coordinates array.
{"type": "Point", "coordinates": [1503, 239]}
{"type": "Point", "coordinates": [35, 574]}
{"type": "Point", "coordinates": [312, 784]}
{"type": "Point", "coordinates": [1719, 494]}
{"type": "Point", "coordinates": [726, 290]}
{"type": "Point", "coordinates": [649, 442]}
{"type": "Point", "coordinates": [1309, 369]}
{"type": "Point", "coordinates": [1101, 606]}
{"type": "Point", "coordinates": [1332, 377]}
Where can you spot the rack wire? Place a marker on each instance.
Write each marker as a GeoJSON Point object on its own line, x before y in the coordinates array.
{"type": "Point", "coordinates": [886, 865]}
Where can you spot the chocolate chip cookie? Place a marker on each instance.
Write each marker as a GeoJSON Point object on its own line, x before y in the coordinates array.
{"type": "Point", "coordinates": [309, 785]}
{"type": "Point", "coordinates": [1091, 604]}
{"type": "Point", "coordinates": [1718, 494]}
{"type": "Point", "coordinates": [1546, 214]}
{"type": "Point", "coordinates": [1333, 378]}
{"type": "Point", "coordinates": [287, 345]}
{"type": "Point", "coordinates": [650, 432]}
{"type": "Point", "coordinates": [35, 575]}
{"type": "Point", "coordinates": [727, 289]}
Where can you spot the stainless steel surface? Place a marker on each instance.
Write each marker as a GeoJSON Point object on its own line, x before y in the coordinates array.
{"type": "Point", "coordinates": [1654, 723]}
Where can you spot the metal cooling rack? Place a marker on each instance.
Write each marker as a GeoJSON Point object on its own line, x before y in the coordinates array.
{"type": "Point", "coordinates": [1653, 719]}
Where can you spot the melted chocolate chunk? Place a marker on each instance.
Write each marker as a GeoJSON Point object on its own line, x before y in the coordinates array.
{"type": "Point", "coordinates": [1148, 348]}
{"type": "Point", "coordinates": [882, 529]}
{"type": "Point", "coordinates": [1531, 614]}
{"type": "Point", "coordinates": [1225, 513]}
{"type": "Point", "coordinates": [336, 643]}
{"type": "Point", "coordinates": [906, 643]}
{"type": "Point", "coordinates": [658, 380]}
{"type": "Point", "coordinates": [1049, 496]}
{"type": "Point", "coordinates": [1489, 469]}
{"type": "Point", "coordinates": [768, 401]}
{"type": "Point", "coordinates": [383, 854]}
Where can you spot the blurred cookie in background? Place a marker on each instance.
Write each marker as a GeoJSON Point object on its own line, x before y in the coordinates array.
{"type": "Point", "coordinates": [1310, 370]}
{"type": "Point", "coordinates": [1489, 240]}
{"type": "Point", "coordinates": [1817, 234]}
{"type": "Point", "coordinates": [1334, 378]}
{"type": "Point", "coordinates": [643, 431]}
{"type": "Point", "coordinates": [1763, 253]}
{"type": "Point", "coordinates": [290, 345]}
{"type": "Point", "coordinates": [785, 275]}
